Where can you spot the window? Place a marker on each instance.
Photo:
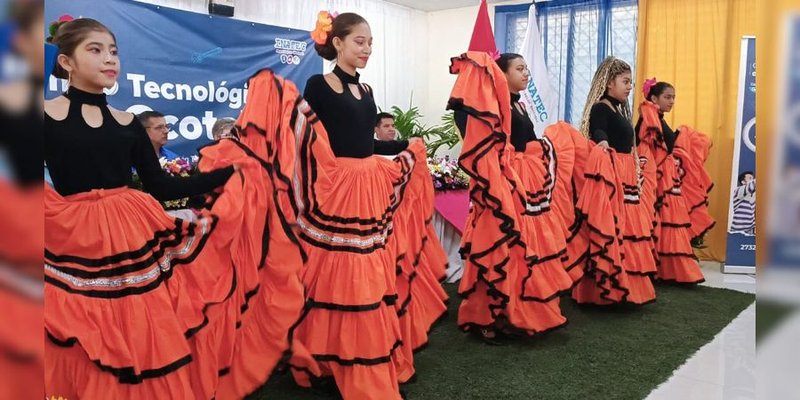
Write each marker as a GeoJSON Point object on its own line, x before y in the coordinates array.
{"type": "Point", "coordinates": [577, 35]}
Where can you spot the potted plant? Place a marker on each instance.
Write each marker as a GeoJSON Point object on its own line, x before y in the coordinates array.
{"type": "Point", "coordinates": [408, 124]}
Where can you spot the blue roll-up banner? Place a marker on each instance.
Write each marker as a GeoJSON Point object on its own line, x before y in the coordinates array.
{"type": "Point", "coordinates": [191, 67]}
{"type": "Point", "coordinates": [784, 223]}
{"type": "Point", "coordinates": [740, 256]}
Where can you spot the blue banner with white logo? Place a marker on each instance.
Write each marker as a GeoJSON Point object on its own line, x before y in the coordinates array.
{"type": "Point", "coordinates": [741, 249]}
{"type": "Point", "coordinates": [191, 67]}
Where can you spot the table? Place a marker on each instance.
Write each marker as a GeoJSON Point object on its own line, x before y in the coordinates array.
{"type": "Point", "coordinates": [449, 219]}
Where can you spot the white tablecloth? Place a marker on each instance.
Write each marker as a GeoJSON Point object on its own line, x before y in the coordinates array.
{"type": "Point", "coordinates": [451, 242]}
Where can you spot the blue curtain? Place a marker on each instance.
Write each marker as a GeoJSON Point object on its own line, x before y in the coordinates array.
{"type": "Point", "coordinates": [577, 35]}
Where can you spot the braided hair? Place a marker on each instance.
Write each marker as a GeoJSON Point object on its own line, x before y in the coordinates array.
{"type": "Point", "coordinates": [609, 69]}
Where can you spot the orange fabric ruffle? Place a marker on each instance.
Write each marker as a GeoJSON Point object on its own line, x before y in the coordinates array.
{"type": "Point", "coordinates": [269, 295]}
{"type": "Point", "coordinates": [619, 228]}
{"type": "Point", "coordinates": [691, 151]}
{"type": "Point", "coordinates": [148, 306]}
{"type": "Point", "coordinates": [570, 150]}
{"type": "Point", "coordinates": [347, 213]}
{"type": "Point", "coordinates": [676, 260]}
{"type": "Point", "coordinates": [21, 242]}
{"type": "Point", "coordinates": [137, 301]}
{"type": "Point", "coordinates": [502, 283]}
{"type": "Point", "coordinates": [543, 228]}
{"type": "Point", "coordinates": [421, 298]}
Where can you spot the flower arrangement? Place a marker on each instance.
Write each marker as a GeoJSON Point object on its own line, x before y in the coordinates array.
{"type": "Point", "coordinates": [178, 167]}
{"type": "Point", "coordinates": [447, 175]}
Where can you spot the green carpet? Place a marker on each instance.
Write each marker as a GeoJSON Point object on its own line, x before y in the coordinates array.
{"type": "Point", "coordinates": [608, 353]}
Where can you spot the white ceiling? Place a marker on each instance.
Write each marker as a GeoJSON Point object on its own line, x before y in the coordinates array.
{"type": "Point", "coordinates": [436, 5]}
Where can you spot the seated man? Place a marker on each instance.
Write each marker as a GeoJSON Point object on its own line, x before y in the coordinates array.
{"type": "Point", "coordinates": [156, 126]}
{"type": "Point", "coordinates": [384, 127]}
{"type": "Point", "coordinates": [224, 128]}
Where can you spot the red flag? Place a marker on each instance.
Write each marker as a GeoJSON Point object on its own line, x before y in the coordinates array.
{"type": "Point", "coordinates": [482, 34]}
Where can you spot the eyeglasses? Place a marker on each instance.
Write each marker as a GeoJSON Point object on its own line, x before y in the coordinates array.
{"type": "Point", "coordinates": [161, 127]}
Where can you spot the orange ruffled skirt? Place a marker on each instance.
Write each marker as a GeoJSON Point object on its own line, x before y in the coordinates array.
{"type": "Point", "coordinates": [351, 221]}
{"type": "Point", "coordinates": [513, 273]}
{"type": "Point", "coordinates": [136, 300]}
{"type": "Point", "coordinates": [569, 152]}
{"type": "Point", "coordinates": [21, 242]}
{"type": "Point", "coordinates": [619, 225]}
{"type": "Point", "coordinates": [421, 297]}
{"type": "Point", "coordinates": [691, 151]}
{"type": "Point", "coordinates": [143, 305]}
{"type": "Point", "coordinates": [544, 234]}
{"type": "Point", "coordinates": [676, 259]}
{"type": "Point", "coordinates": [269, 295]}
{"type": "Point", "coordinates": [352, 327]}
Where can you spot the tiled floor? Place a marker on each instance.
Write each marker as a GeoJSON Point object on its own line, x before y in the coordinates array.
{"type": "Point", "coordinates": [725, 368]}
{"type": "Point", "coordinates": [777, 361]}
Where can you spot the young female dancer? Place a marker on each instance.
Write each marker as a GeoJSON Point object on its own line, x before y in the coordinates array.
{"type": "Point", "coordinates": [513, 242]}
{"type": "Point", "coordinates": [140, 304]}
{"type": "Point", "coordinates": [363, 315]}
{"type": "Point", "coordinates": [676, 260]}
{"type": "Point", "coordinates": [616, 199]}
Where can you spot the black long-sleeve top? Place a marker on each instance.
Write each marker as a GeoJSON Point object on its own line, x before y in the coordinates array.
{"type": "Point", "coordinates": [522, 130]}
{"type": "Point", "coordinates": [350, 122]}
{"type": "Point", "coordinates": [611, 125]}
{"type": "Point", "coordinates": [669, 134]}
{"type": "Point", "coordinates": [82, 158]}
{"type": "Point", "coordinates": [521, 125]}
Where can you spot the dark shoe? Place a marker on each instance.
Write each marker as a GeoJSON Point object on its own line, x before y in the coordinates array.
{"type": "Point", "coordinates": [512, 334]}
{"type": "Point", "coordinates": [326, 388]}
{"type": "Point", "coordinates": [488, 336]}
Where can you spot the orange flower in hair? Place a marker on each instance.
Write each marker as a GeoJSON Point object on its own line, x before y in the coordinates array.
{"type": "Point", "coordinates": [323, 28]}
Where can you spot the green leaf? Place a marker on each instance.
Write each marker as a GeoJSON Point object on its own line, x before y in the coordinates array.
{"type": "Point", "coordinates": [408, 124]}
